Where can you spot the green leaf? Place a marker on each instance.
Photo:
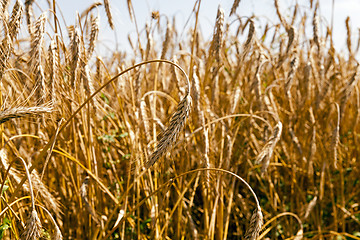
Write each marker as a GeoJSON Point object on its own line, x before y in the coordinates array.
{"type": "Point", "coordinates": [125, 134]}
{"type": "Point", "coordinates": [104, 97]}
{"type": "Point", "coordinates": [6, 187]}
{"type": "Point", "coordinates": [4, 226]}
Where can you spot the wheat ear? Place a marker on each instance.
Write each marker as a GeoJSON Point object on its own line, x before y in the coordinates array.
{"type": "Point", "coordinates": [18, 112]}
{"type": "Point", "coordinates": [108, 13]}
{"type": "Point", "coordinates": [268, 149]}
{"type": "Point", "coordinates": [170, 135]}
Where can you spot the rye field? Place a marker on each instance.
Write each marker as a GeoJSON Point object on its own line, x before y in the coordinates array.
{"type": "Point", "coordinates": [251, 134]}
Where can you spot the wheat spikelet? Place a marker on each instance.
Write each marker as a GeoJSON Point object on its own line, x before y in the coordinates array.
{"type": "Point", "coordinates": [4, 14]}
{"type": "Point", "coordinates": [36, 56]}
{"type": "Point", "coordinates": [33, 227]}
{"type": "Point", "coordinates": [249, 39]}
{"type": "Point", "coordinates": [293, 66]}
{"type": "Point", "coordinates": [234, 7]}
{"type": "Point", "coordinates": [237, 95]}
{"type": "Point", "coordinates": [335, 139]}
{"type": "Point", "coordinates": [268, 149]}
{"type": "Point", "coordinates": [312, 150]}
{"type": "Point", "coordinates": [98, 73]}
{"type": "Point", "coordinates": [316, 29]}
{"type": "Point", "coordinates": [75, 56]}
{"type": "Point", "coordinates": [256, 222]}
{"type": "Point", "coordinates": [95, 23]}
{"type": "Point", "coordinates": [169, 136]}
{"type": "Point", "coordinates": [348, 35]}
{"type": "Point", "coordinates": [84, 196]}
{"type": "Point", "coordinates": [216, 47]}
{"type": "Point", "coordinates": [18, 112]}
{"type": "Point", "coordinates": [54, 68]}
{"type": "Point", "coordinates": [45, 194]}
{"type": "Point", "coordinates": [14, 173]}
{"type": "Point", "coordinates": [29, 12]}
{"type": "Point", "coordinates": [218, 34]}
{"type": "Point", "coordinates": [292, 38]}
{"type": "Point", "coordinates": [108, 13]}
{"type": "Point", "coordinates": [88, 81]}
{"type": "Point", "coordinates": [257, 80]}
{"type": "Point", "coordinates": [130, 9]}
{"type": "Point", "coordinates": [15, 19]}
{"type": "Point", "coordinates": [5, 51]}
{"type": "Point", "coordinates": [149, 43]}
{"type": "Point", "coordinates": [310, 207]}
{"type": "Point", "coordinates": [166, 42]}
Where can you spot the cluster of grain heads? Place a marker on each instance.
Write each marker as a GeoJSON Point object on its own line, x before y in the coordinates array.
{"type": "Point", "coordinates": [243, 78]}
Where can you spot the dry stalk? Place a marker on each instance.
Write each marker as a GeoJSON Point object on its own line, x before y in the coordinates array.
{"type": "Point", "coordinates": [57, 233]}
{"type": "Point", "coordinates": [37, 183]}
{"type": "Point", "coordinates": [33, 225]}
{"type": "Point", "coordinates": [278, 12]}
{"type": "Point", "coordinates": [347, 90]}
{"type": "Point", "coordinates": [91, 7]}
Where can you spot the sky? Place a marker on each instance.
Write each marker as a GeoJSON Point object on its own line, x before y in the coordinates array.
{"type": "Point", "coordinates": [182, 9]}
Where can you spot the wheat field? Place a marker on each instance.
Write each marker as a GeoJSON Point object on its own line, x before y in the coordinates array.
{"type": "Point", "coordinates": [252, 134]}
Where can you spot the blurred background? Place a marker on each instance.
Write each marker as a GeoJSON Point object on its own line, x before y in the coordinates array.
{"type": "Point", "coordinates": [264, 11]}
